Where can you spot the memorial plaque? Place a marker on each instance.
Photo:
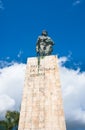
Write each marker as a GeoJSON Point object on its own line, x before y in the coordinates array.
{"type": "Point", "coordinates": [42, 106]}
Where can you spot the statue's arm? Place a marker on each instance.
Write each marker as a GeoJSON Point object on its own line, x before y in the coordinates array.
{"type": "Point", "coordinates": [50, 41]}
{"type": "Point", "coordinates": [37, 49]}
{"type": "Point", "coordinates": [37, 45]}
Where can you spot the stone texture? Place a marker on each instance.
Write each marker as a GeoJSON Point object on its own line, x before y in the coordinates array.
{"type": "Point", "coordinates": [42, 107]}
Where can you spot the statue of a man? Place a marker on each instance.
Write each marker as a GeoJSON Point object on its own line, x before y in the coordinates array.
{"type": "Point", "coordinates": [44, 44]}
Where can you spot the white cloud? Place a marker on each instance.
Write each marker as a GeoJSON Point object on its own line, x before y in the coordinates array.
{"type": "Point", "coordinates": [6, 103]}
{"type": "Point", "coordinates": [62, 60]}
{"type": "Point", "coordinates": [11, 84]}
{"type": "Point", "coordinates": [73, 89]}
{"type": "Point", "coordinates": [7, 58]}
{"type": "Point", "coordinates": [76, 2]}
{"type": "Point", "coordinates": [20, 54]}
{"type": "Point", "coordinates": [6, 63]}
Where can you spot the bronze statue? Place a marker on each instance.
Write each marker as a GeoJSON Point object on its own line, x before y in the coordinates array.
{"type": "Point", "coordinates": [44, 44]}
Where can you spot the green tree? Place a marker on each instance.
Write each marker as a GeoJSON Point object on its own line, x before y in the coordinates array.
{"type": "Point", "coordinates": [11, 120]}
{"type": "Point", "coordinates": [3, 125]}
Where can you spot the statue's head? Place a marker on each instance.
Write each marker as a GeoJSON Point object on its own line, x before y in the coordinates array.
{"type": "Point", "coordinates": [44, 33]}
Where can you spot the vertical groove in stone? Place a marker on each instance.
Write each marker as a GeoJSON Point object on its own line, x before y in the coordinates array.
{"type": "Point", "coordinates": [42, 107]}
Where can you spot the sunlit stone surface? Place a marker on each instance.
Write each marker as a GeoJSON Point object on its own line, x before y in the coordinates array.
{"type": "Point", "coordinates": [42, 107]}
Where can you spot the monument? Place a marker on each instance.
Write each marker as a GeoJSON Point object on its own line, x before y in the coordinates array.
{"type": "Point", "coordinates": [44, 44]}
{"type": "Point", "coordinates": [42, 106]}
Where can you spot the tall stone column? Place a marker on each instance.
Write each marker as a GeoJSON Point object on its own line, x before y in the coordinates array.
{"type": "Point", "coordinates": [42, 107]}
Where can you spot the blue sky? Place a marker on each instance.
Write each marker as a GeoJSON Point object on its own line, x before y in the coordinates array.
{"type": "Point", "coordinates": [22, 21]}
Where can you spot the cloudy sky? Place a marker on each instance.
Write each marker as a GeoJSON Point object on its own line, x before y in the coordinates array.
{"type": "Point", "coordinates": [20, 24]}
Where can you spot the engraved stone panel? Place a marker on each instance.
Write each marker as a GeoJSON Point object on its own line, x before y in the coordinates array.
{"type": "Point", "coordinates": [42, 107]}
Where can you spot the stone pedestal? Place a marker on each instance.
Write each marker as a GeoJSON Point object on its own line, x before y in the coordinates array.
{"type": "Point", "coordinates": [41, 107]}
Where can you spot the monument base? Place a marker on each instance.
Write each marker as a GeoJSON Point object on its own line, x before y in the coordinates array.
{"type": "Point", "coordinates": [41, 107]}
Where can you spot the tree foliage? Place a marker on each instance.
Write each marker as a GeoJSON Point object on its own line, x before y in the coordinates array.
{"type": "Point", "coordinates": [11, 120]}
